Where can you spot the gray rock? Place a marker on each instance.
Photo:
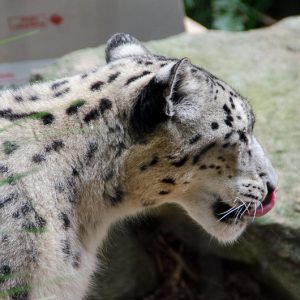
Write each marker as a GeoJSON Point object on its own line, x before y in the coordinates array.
{"type": "Point", "coordinates": [264, 66]}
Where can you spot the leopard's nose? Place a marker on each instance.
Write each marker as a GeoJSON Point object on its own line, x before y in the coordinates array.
{"type": "Point", "coordinates": [271, 188]}
{"type": "Point", "coordinates": [268, 189]}
{"type": "Point", "coordinates": [266, 205]}
{"type": "Point", "coordinates": [270, 192]}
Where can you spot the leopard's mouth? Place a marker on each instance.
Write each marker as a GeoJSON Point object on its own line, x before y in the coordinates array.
{"type": "Point", "coordinates": [225, 213]}
{"type": "Point", "coordinates": [267, 204]}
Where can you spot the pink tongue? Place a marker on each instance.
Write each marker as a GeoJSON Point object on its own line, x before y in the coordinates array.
{"type": "Point", "coordinates": [261, 211]}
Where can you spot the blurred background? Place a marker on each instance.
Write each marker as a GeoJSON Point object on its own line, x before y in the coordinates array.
{"type": "Point", "coordinates": [237, 15]}
{"type": "Point", "coordinates": [34, 32]}
{"type": "Point", "coordinates": [254, 45]}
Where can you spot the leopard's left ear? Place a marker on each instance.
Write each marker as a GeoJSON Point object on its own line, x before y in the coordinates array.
{"type": "Point", "coordinates": [157, 101]}
{"type": "Point", "coordinates": [173, 78]}
{"type": "Point", "coordinates": [122, 45]}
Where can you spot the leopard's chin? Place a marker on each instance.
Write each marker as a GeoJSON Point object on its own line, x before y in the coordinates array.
{"type": "Point", "coordinates": [230, 234]}
{"type": "Point", "coordinates": [232, 221]}
{"type": "Point", "coordinates": [225, 232]}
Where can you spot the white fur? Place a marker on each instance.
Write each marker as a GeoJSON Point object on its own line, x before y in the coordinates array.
{"type": "Point", "coordinates": [127, 50]}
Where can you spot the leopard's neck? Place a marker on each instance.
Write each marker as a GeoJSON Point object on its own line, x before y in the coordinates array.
{"type": "Point", "coordinates": [73, 134]}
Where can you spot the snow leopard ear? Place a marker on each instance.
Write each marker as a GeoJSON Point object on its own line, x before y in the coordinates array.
{"type": "Point", "coordinates": [157, 101]}
{"type": "Point", "coordinates": [173, 78]}
{"type": "Point", "coordinates": [122, 45]}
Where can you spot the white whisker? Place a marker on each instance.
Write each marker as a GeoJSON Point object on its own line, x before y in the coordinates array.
{"type": "Point", "coordinates": [255, 209]}
{"type": "Point", "coordinates": [242, 201]}
{"type": "Point", "coordinates": [247, 206]}
{"type": "Point", "coordinates": [230, 209]}
{"type": "Point", "coordinates": [238, 212]}
{"type": "Point", "coordinates": [246, 210]}
{"type": "Point", "coordinates": [230, 212]}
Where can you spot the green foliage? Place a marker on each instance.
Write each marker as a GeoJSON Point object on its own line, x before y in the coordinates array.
{"type": "Point", "coordinates": [234, 15]}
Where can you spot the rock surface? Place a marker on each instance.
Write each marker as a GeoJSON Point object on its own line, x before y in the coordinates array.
{"type": "Point", "coordinates": [264, 66]}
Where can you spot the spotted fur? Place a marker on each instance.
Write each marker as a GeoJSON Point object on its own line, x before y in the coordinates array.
{"type": "Point", "coordinates": [79, 153]}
